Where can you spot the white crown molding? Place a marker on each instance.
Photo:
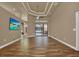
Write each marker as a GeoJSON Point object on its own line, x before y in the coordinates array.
{"type": "Point", "coordinates": [35, 13]}
{"type": "Point", "coordinates": [24, 7]}
{"type": "Point", "coordinates": [32, 11]}
{"type": "Point", "coordinates": [50, 8]}
{"type": "Point", "coordinates": [46, 7]}
{"type": "Point", "coordinates": [27, 10]}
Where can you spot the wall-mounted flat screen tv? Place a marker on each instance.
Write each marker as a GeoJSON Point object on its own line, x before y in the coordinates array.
{"type": "Point", "coordinates": [14, 24]}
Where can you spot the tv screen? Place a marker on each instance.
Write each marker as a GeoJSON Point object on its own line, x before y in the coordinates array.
{"type": "Point", "coordinates": [14, 24]}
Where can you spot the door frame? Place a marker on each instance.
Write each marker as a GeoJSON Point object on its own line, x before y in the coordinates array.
{"type": "Point", "coordinates": [77, 30]}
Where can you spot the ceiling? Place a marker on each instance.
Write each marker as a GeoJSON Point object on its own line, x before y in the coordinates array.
{"type": "Point", "coordinates": [38, 7]}
{"type": "Point", "coordinates": [21, 9]}
{"type": "Point", "coordinates": [15, 7]}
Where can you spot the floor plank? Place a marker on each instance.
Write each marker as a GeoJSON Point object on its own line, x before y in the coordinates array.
{"type": "Point", "coordinates": [55, 49]}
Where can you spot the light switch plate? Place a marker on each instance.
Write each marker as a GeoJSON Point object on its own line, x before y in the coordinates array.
{"type": "Point", "coordinates": [74, 29]}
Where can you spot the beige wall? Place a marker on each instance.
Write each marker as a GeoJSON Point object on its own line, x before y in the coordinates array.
{"type": "Point", "coordinates": [63, 21]}
{"type": "Point", "coordinates": [7, 35]}
{"type": "Point", "coordinates": [31, 25]}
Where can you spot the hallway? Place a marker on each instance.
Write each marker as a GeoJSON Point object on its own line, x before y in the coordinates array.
{"type": "Point", "coordinates": [33, 23]}
{"type": "Point", "coordinates": [55, 48]}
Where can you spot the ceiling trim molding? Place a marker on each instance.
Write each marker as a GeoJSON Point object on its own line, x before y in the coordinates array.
{"type": "Point", "coordinates": [50, 7]}
{"type": "Point", "coordinates": [24, 7]}
{"type": "Point", "coordinates": [33, 10]}
{"type": "Point", "coordinates": [35, 13]}
{"type": "Point", "coordinates": [46, 7]}
{"type": "Point", "coordinates": [27, 10]}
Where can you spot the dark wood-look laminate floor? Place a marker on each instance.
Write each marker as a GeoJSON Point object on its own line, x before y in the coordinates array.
{"type": "Point", "coordinates": [55, 49]}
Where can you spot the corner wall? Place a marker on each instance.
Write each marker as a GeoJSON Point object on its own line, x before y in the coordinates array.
{"type": "Point", "coordinates": [63, 23]}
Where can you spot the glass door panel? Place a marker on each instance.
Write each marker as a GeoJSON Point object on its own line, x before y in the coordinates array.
{"type": "Point", "coordinates": [41, 35]}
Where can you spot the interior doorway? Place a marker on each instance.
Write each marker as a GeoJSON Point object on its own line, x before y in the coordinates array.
{"type": "Point", "coordinates": [41, 34]}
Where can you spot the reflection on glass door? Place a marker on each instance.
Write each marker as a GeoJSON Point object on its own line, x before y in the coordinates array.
{"type": "Point", "coordinates": [41, 34]}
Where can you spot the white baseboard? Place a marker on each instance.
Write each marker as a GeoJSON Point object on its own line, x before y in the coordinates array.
{"type": "Point", "coordinates": [64, 43]}
{"type": "Point", "coordinates": [33, 36]}
{"type": "Point", "coordinates": [13, 42]}
{"type": "Point", "coordinates": [9, 43]}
